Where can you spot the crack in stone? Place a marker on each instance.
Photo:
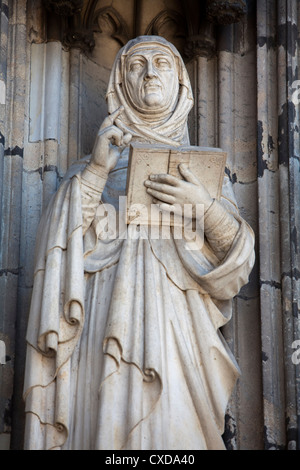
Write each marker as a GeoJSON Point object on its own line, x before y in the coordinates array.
{"type": "Point", "coordinates": [271, 283]}
{"type": "Point", "coordinates": [42, 170]}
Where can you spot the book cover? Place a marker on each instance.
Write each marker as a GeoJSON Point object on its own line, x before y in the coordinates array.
{"type": "Point", "coordinates": [206, 163]}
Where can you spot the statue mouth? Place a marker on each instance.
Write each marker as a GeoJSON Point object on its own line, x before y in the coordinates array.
{"type": "Point", "coordinates": [153, 86]}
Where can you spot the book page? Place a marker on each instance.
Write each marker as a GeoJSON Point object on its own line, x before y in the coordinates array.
{"type": "Point", "coordinates": [207, 166]}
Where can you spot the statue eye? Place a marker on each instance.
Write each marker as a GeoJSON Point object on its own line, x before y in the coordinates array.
{"type": "Point", "coordinates": [162, 64]}
{"type": "Point", "coordinates": [136, 66]}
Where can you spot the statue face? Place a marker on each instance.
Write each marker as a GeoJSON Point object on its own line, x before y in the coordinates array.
{"type": "Point", "coordinates": [151, 79]}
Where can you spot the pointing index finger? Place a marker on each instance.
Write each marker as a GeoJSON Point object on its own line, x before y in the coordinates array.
{"type": "Point", "coordinates": [109, 120]}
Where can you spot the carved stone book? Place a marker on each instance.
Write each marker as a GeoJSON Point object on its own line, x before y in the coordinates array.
{"type": "Point", "coordinates": [206, 163]}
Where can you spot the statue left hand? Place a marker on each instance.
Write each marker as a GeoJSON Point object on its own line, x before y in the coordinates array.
{"type": "Point", "coordinates": [167, 190]}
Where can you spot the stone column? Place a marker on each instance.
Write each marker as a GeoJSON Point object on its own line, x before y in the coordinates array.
{"type": "Point", "coordinates": [45, 119]}
{"type": "Point", "coordinates": [206, 101]}
{"type": "Point", "coordinates": [278, 189]}
{"type": "Point", "coordinates": [224, 66]}
{"type": "Point", "coordinates": [289, 169]}
{"type": "Point", "coordinates": [201, 52]}
{"type": "Point", "coordinates": [12, 107]}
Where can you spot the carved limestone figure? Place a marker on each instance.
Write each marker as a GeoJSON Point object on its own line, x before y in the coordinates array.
{"type": "Point", "coordinates": [124, 347]}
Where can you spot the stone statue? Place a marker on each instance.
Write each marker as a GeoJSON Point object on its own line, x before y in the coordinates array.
{"type": "Point", "coordinates": [124, 347]}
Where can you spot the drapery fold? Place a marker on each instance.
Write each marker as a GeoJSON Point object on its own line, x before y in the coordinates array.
{"type": "Point", "coordinates": [131, 333]}
{"type": "Point", "coordinates": [57, 311]}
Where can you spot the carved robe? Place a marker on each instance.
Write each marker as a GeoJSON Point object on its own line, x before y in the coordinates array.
{"type": "Point", "coordinates": [124, 347]}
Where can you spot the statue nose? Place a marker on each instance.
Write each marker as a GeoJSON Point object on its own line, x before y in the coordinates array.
{"type": "Point", "coordinates": [150, 72]}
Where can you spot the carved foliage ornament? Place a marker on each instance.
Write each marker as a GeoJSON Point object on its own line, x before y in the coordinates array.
{"type": "Point", "coordinates": [225, 11]}
{"type": "Point", "coordinates": [83, 39]}
{"type": "Point", "coordinates": [64, 7]}
{"type": "Point", "coordinates": [200, 46]}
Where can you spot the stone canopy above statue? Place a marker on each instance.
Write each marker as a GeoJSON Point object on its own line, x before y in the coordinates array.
{"type": "Point", "coordinates": [190, 25]}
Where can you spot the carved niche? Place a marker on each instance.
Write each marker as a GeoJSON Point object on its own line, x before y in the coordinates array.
{"type": "Point", "coordinates": [110, 32]}
{"type": "Point", "coordinates": [192, 30]}
{"type": "Point", "coordinates": [108, 20]}
{"type": "Point", "coordinates": [170, 25]}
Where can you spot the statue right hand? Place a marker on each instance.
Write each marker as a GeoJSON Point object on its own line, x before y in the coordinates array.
{"type": "Point", "coordinates": [109, 143]}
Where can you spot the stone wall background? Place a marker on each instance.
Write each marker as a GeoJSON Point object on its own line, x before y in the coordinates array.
{"type": "Point", "coordinates": [54, 71]}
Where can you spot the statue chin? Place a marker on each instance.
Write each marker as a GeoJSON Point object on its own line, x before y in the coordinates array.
{"type": "Point", "coordinates": [153, 100]}
{"type": "Point", "coordinates": [153, 103]}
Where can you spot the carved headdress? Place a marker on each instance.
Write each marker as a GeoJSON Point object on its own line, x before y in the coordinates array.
{"type": "Point", "coordinates": [169, 126]}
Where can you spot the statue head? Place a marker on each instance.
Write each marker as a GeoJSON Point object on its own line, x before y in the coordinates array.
{"type": "Point", "coordinates": [150, 80]}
